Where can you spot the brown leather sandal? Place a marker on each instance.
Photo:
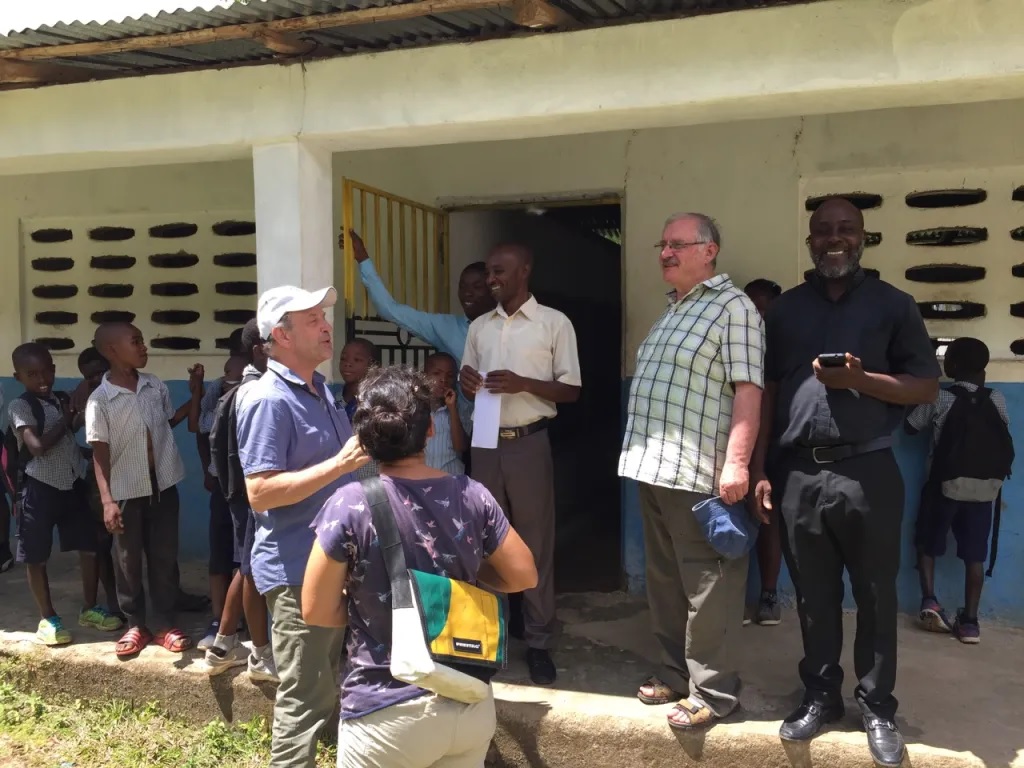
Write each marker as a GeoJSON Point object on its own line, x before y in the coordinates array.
{"type": "Point", "coordinates": [659, 693]}
{"type": "Point", "coordinates": [696, 713]}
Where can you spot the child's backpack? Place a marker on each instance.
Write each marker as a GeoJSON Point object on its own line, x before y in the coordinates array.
{"type": "Point", "coordinates": [224, 445]}
{"type": "Point", "coordinates": [975, 444]}
{"type": "Point", "coordinates": [16, 457]}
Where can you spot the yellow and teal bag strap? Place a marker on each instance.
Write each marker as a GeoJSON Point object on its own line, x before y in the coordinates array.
{"type": "Point", "coordinates": [390, 542]}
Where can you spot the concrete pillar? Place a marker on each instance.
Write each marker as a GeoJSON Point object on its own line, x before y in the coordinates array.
{"type": "Point", "coordinates": [294, 222]}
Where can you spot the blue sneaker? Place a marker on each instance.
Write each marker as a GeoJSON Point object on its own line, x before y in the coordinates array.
{"type": "Point", "coordinates": [933, 617]}
{"type": "Point", "coordinates": [967, 632]}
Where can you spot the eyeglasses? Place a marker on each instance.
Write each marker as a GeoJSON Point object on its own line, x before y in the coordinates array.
{"type": "Point", "coordinates": [676, 245]}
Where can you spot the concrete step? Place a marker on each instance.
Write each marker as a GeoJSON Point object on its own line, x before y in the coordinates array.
{"type": "Point", "coordinates": [961, 706]}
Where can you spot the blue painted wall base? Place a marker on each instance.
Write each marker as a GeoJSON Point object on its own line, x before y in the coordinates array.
{"type": "Point", "coordinates": [1002, 598]}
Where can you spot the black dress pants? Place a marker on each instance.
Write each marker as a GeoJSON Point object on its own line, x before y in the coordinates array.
{"type": "Point", "coordinates": [847, 514]}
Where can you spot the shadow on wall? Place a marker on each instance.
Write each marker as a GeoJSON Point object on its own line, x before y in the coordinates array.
{"type": "Point", "coordinates": [1002, 598]}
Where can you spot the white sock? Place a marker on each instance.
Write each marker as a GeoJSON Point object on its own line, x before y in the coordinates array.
{"type": "Point", "coordinates": [226, 642]}
{"type": "Point", "coordinates": [260, 651]}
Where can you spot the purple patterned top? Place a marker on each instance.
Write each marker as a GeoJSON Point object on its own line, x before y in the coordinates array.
{"type": "Point", "coordinates": [448, 525]}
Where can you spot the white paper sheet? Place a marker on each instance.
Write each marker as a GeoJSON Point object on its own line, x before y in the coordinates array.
{"type": "Point", "coordinates": [486, 418]}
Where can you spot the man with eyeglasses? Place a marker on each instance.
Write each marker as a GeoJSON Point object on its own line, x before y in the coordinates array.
{"type": "Point", "coordinates": [694, 409]}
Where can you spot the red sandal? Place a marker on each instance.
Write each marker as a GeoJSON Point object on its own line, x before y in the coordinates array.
{"type": "Point", "coordinates": [173, 640]}
{"type": "Point", "coordinates": [132, 642]}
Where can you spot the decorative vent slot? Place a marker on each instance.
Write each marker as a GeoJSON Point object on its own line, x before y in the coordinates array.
{"type": "Point", "coordinates": [53, 264]}
{"type": "Point", "coordinates": [863, 200]}
{"type": "Point", "coordinates": [174, 289]}
{"type": "Point", "coordinates": [51, 235]}
{"type": "Point", "coordinates": [169, 231]}
{"type": "Point", "coordinates": [1018, 194]}
{"type": "Point", "coordinates": [178, 260]}
{"type": "Point", "coordinates": [111, 234]}
{"type": "Point", "coordinates": [940, 343]}
{"type": "Point", "coordinates": [947, 236]}
{"type": "Point", "coordinates": [1017, 347]}
{"type": "Point", "coordinates": [234, 228]}
{"type": "Point", "coordinates": [871, 239]}
{"type": "Point", "coordinates": [176, 343]}
{"type": "Point", "coordinates": [950, 310]}
{"type": "Point", "coordinates": [55, 343]}
{"type": "Point", "coordinates": [1017, 234]}
{"type": "Point", "coordinates": [112, 316]}
{"type": "Point", "coordinates": [175, 316]}
{"type": "Point", "coordinates": [238, 288]}
{"type": "Point", "coordinates": [112, 262]}
{"type": "Point", "coordinates": [1017, 310]}
{"type": "Point", "coordinates": [235, 259]}
{"type": "Point", "coordinates": [55, 291]}
{"type": "Point", "coordinates": [111, 291]}
{"type": "Point", "coordinates": [234, 316]}
{"type": "Point", "coordinates": [946, 198]}
{"type": "Point", "coordinates": [56, 318]}
{"type": "Point", "coordinates": [945, 273]}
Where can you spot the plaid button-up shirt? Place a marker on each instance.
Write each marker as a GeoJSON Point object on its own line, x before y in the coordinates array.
{"type": "Point", "coordinates": [680, 401]}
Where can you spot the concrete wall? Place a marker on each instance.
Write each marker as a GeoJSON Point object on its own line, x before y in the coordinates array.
{"type": "Point", "coordinates": [747, 174]}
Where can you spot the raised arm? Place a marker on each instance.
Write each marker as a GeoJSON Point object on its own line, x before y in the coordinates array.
{"type": "Point", "coordinates": [428, 326]}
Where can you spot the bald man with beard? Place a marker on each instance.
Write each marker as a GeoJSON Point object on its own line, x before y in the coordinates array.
{"type": "Point", "coordinates": [846, 353]}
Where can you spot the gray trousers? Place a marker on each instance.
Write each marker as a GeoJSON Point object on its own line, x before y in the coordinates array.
{"type": "Point", "coordinates": [696, 600]}
{"type": "Point", "coordinates": [520, 475]}
{"type": "Point", "coordinates": [307, 662]}
{"type": "Point", "coordinates": [150, 530]}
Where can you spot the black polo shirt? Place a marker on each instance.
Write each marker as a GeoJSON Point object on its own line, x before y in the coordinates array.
{"type": "Point", "coordinates": [873, 321]}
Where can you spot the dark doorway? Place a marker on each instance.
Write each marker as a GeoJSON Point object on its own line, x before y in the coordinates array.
{"type": "Point", "coordinates": [577, 270]}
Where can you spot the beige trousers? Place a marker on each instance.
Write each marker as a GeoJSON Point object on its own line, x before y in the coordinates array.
{"type": "Point", "coordinates": [427, 732]}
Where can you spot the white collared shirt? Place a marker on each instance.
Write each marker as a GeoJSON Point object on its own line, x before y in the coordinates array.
{"type": "Point", "coordinates": [122, 418]}
{"type": "Point", "coordinates": [536, 342]}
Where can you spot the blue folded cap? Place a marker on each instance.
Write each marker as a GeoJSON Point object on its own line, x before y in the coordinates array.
{"type": "Point", "coordinates": [729, 528]}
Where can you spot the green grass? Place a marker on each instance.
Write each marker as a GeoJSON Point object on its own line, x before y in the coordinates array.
{"type": "Point", "coordinates": [61, 733]}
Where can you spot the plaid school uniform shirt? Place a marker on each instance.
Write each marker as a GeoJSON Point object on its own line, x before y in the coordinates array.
{"type": "Point", "coordinates": [64, 463]}
{"type": "Point", "coordinates": [122, 419]}
{"type": "Point", "coordinates": [680, 401]}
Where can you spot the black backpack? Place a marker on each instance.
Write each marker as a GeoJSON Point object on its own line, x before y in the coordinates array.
{"type": "Point", "coordinates": [224, 445]}
{"type": "Point", "coordinates": [18, 456]}
{"type": "Point", "coordinates": [975, 443]}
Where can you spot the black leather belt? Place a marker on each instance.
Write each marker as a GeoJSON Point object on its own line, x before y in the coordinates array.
{"type": "Point", "coordinates": [511, 433]}
{"type": "Point", "coordinates": [830, 454]}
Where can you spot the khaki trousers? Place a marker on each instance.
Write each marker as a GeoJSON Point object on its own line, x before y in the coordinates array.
{"type": "Point", "coordinates": [696, 599]}
{"type": "Point", "coordinates": [426, 732]}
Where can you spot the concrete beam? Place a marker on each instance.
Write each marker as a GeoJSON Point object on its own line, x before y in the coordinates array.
{"type": "Point", "coordinates": [846, 55]}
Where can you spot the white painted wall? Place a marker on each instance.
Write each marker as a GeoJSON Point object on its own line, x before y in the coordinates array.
{"type": "Point", "coordinates": [747, 174]}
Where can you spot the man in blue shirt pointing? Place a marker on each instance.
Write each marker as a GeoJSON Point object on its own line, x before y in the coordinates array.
{"type": "Point", "coordinates": [446, 333]}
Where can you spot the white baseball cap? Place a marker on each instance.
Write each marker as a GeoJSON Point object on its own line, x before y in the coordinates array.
{"type": "Point", "coordinates": [278, 302]}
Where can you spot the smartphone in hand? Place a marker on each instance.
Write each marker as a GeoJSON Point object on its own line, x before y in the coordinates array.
{"type": "Point", "coordinates": [832, 359]}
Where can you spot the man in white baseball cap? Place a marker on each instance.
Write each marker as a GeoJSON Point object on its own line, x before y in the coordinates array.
{"type": "Point", "coordinates": [295, 449]}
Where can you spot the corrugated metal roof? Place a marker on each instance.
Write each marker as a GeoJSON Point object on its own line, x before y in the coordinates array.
{"type": "Point", "coordinates": [374, 36]}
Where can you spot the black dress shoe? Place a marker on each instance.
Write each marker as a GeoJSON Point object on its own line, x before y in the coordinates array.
{"type": "Point", "coordinates": [542, 668]}
{"type": "Point", "coordinates": [809, 718]}
{"type": "Point", "coordinates": [884, 741]}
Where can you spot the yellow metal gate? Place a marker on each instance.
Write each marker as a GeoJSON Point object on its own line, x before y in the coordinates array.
{"type": "Point", "coordinates": [408, 243]}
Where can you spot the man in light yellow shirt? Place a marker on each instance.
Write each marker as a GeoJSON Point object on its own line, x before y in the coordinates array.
{"type": "Point", "coordinates": [525, 352]}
